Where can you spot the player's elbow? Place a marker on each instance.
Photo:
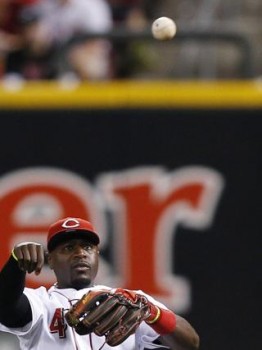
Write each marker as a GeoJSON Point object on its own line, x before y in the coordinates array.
{"type": "Point", "coordinates": [189, 342]}
{"type": "Point", "coordinates": [195, 342]}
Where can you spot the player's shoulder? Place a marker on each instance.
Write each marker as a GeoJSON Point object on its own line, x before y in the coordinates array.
{"type": "Point", "coordinates": [37, 292]}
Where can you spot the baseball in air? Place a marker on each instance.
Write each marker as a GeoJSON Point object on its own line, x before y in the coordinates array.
{"type": "Point", "coordinates": [164, 28]}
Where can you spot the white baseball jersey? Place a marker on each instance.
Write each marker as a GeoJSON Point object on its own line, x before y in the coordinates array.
{"type": "Point", "coordinates": [49, 330]}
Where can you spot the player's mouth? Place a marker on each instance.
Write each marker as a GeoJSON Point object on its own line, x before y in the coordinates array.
{"type": "Point", "coordinates": [81, 266]}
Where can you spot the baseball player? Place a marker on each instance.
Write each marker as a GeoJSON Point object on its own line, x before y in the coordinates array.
{"type": "Point", "coordinates": [38, 316]}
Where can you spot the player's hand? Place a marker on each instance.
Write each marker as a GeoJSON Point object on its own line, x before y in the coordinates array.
{"type": "Point", "coordinates": [30, 256]}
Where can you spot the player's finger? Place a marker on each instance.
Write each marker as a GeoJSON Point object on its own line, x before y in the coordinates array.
{"type": "Point", "coordinates": [34, 249]}
{"type": "Point", "coordinates": [20, 253]}
{"type": "Point", "coordinates": [40, 259]}
{"type": "Point", "coordinates": [27, 263]}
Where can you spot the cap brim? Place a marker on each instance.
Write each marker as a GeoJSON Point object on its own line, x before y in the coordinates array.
{"type": "Point", "coordinates": [63, 236]}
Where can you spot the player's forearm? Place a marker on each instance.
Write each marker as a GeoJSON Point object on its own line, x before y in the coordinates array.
{"type": "Point", "coordinates": [184, 336]}
{"type": "Point", "coordinates": [15, 310]}
{"type": "Point", "coordinates": [12, 282]}
{"type": "Point", "coordinates": [174, 330]}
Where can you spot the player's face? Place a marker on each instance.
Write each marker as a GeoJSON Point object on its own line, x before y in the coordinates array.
{"type": "Point", "coordinates": [75, 263]}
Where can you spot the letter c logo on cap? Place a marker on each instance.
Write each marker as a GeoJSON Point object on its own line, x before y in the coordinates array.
{"type": "Point", "coordinates": [71, 223]}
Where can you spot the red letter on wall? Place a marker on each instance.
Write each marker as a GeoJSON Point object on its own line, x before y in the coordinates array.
{"type": "Point", "coordinates": [148, 204]}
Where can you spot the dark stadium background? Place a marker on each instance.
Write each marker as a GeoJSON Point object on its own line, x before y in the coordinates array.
{"type": "Point", "coordinates": [223, 264]}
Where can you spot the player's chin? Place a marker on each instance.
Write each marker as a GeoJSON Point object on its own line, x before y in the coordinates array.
{"type": "Point", "coordinates": [80, 282]}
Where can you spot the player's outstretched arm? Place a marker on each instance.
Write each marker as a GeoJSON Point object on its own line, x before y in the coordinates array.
{"type": "Point", "coordinates": [175, 331]}
{"type": "Point", "coordinates": [184, 337]}
{"type": "Point", "coordinates": [15, 310]}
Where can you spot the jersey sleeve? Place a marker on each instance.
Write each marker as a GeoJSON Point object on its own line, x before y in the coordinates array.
{"type": "Point", "coordinates": [146, 338]}
{"type": "Point", "coordinates": [35, 298]}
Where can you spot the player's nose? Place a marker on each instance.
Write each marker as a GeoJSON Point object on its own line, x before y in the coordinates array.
{"type": "Point", "coordinates": [80, 251]}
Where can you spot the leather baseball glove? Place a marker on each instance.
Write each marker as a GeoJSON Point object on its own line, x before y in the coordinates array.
{"type": "Point", "coordinates": [115, 314]}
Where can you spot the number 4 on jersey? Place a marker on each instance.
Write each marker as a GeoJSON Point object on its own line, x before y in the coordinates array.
{"type": "Point", "coordinates": [57, 324]}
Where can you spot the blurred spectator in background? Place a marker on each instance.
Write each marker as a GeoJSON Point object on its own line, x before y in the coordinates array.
{"type": "Point", "coordinates": [128, 13]}
{"type": "Point", "coordinates": [10, 30]}
{"type": "Point", "coordinates": [22, 59]}
{"type": "Point", "coordinates": [45, 39]}
{"type": "Point", "coordinates": [47, 29]}
{"type": "Point", "coordinates": [132, 15]}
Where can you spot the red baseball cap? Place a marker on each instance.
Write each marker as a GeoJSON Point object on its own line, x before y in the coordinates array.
{"type": "Point", "coordinates": [69, 228]}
